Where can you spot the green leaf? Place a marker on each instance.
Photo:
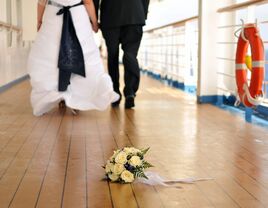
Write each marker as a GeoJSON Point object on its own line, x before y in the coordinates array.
{"type": "Point", "coordinates": [144, 151]}
{"type": "Point", "coordinates": [146, 165]}
{"type": "Point", "coordinates": [140, 174]}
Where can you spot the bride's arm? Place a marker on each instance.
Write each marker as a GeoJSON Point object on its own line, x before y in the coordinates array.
{"type": "Point", "coordinates": [92, 14]}
{"type": "Point", "coordinates": [40, 12]}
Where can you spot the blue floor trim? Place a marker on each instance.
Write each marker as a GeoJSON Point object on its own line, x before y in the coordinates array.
{"type": "Point", "coordinates": [258, 116]}
{"type": "Point", "coordinates": [12, 83]}
{"type": "Point", "coordinates": [250, 114]}
{"type": "Point", "coordinates": [207, 99]}
{"type": "Point", "coordinates": [263, 110]}
{"type": "Point", "coordinates": [190, 89]}
{"type": "Point", "coordinates": [260, 111]}
{"type": "Point", "coordinates": [173, 83]}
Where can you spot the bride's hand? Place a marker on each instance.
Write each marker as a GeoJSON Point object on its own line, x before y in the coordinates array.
{"type": "Point", "coordinates": [39, 24]}
{"type": "Point", "coordinates": [95, 27]}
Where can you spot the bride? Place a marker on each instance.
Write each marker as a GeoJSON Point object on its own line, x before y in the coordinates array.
{"type": "Point", "coordinates": [64, 64]}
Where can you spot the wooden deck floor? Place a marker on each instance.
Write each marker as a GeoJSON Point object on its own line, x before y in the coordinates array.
{"type": "Point", "coordinates": [55, 160]}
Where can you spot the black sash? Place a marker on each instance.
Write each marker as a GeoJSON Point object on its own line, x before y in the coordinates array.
{"type": "Point", "coordinates": [71, 58]}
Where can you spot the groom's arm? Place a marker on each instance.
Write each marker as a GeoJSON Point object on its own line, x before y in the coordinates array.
{"type": "Point", "coordinates": [97, 5]}
{"type": "Point", "coordinates": [146, 6]}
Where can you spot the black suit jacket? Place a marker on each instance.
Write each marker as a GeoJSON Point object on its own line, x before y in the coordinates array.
{"type": "Point", "coordinates": [116, 13]}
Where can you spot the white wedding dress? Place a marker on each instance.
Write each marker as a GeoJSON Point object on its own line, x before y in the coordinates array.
{"type": "Point", "coordinates": [95, 91]}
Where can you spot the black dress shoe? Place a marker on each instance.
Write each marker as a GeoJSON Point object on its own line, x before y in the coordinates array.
{"type": "Point", "coordinates": [130, 102]}
{"type": "Point", "coordinates": [116, 103]}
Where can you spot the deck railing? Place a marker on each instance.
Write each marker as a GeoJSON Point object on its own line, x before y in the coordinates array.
{"type": "Point", "coordinates": [170, 51]}
{"type": "Point", "coordinates": [12, 32]}
{"type": "Point", "coordinates": [14, 53]}
{"type": "Point", "coordinates": [248, 11]}
{"type": "Point", "coordinates": [9, 27]}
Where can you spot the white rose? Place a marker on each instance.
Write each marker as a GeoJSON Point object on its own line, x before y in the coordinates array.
{"type": "Point", "coordinates": [121, 158]}
{"type": "Point", "coordinates": [109, 167]}
{"type": "Point", "coordinates": [118, 169]}
{"type": "Point", "coordinates": [134, 150]}
{"type": "Point", "coordinates": [113, 177]}
{"type": "Point", "coordinates": [135, 161]}
{"type": "Point", "coordinates": [131, 150]}
{"type": "Point", "coordinates": [115, 154]}
{"type": "Point", "coordinates": [127, 176]}
{"type": "Point", "coordinates": [127, 150]}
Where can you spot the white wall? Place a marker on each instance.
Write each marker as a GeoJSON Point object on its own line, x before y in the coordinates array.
{"type": "Point", "coordinates": [3, 10]}
{"type": "Point", "coordinates": [14, 51]}
{"type": "Point", "coordinates": [29, 16]}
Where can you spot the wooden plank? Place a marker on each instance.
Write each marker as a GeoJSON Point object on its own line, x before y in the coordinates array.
{"type": "Point", "coordinates": [51, 192]}
{"type": "Point", "coordinates": [29, 188]}
{"type": "Point", "coordinates": [122, 195]}
{"type": "Point", "coordinates": [155, 197]}
{"type": "Point", "coordinates": [48, 165]}
{"type": "Point", "coordinates": [10, 110]}
{"type": "Point", "coordinates": [14, 144]}
{"type": "Point", "coordinates": [158, 124]}
{"type": "Point", "coordinates": [146, 196]}
{"type": "Point", "coordinates": [98, 190]}
{"type": "Point", "coordinates": [75, 193]}
{"type": "Point", "coordinates": [11, 178]}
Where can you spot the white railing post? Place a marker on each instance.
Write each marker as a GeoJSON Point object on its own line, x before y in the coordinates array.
{"type": "Point", "coordinates": [207, 63]}
{"type": "Point", "coordinates": [190, 42]}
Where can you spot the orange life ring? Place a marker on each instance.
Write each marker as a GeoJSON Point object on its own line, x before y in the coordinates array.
{"type": "Point", "coordinates": [250, 96]}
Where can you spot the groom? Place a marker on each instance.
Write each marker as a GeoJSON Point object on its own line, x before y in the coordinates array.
{"type": "Point", "coordinates": [121, 23]}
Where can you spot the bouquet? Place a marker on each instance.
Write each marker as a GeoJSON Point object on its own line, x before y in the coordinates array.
{"type": "Point", "coordinates": [127, 164]}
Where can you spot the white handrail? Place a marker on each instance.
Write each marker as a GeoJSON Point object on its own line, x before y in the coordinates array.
{"type": "Point", "coordinates": [172, 24]}
{"type": "Point", "coordinates": [242, 5]}
{"type": "Point", "coordinates": [10, 27]}
{"type": "Point", "coordinates": [265, 82]}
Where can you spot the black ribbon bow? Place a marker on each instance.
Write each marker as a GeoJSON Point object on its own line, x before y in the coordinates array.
{"type": "Point", "coordinates": [71, 58]}
{"type": "Point", "coordinates": [63, 10]}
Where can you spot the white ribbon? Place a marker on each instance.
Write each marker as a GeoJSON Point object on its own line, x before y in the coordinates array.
{"type": "Point", "coordinates": [238, 101]}
{"type": "Point", "coordinates": [155, 179]}
{"type": "Point", "coordinates": [254, 101]}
